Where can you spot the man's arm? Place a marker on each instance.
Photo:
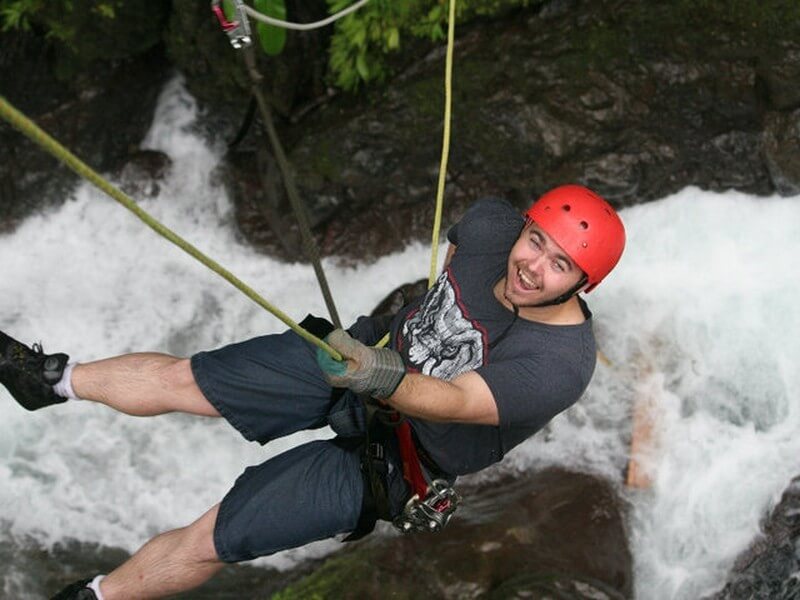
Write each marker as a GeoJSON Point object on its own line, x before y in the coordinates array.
{"type": "Point", "coordinates": [465, 399]}
{"type": "Point", "coordinates": [380, 372]}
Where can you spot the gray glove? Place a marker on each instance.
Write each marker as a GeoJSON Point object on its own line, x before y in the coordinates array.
{"type": "Point", "coordinates": [365, 370]}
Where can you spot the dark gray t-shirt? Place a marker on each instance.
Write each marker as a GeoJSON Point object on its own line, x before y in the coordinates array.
{"type": "Point", "coordinates": [534, 370]}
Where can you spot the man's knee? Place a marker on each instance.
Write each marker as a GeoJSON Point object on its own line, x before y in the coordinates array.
{"type": "Point", "coordinates": [199, 536]}
{"type": "Point", "coordinates": [177, 374]}
{"type": "Point", "coordinates": [178, 380]}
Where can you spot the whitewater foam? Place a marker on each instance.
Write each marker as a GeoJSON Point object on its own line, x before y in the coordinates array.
{"type": "Point", "coordinates": [698, 319]}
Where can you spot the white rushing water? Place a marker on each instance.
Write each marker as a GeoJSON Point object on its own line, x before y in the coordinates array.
{"type": "Point", "coordinates": [697, 321]}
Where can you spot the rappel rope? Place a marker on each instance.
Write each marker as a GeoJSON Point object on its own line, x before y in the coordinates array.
{"type": "Point", "coordinates": [32, 131]}
{"type": "Point", "coordinates": [20, 122]}
{"type": "Point", "coordinates": [310, 248]}
{"type": "Point", "coordinates": [303, 26]}
{"type": "Point", "coordinates": [448, 103]}
{"type": "Point", "coordinates": [238, 30]}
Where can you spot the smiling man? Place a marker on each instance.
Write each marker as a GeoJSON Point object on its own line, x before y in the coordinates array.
{"type": "Point", "coordinates": [495, 349]}
{"type": "Point", "coordinates": [502, 342]}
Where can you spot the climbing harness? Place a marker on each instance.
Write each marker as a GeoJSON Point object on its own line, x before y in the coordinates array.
{"type": "Point", "coordinates": [433, 500]}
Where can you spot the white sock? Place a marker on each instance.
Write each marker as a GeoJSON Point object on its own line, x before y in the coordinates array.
{"type": "Point", "coordinates": [95, 586]}
{"type": "Point", "coordinates": [64, 386]}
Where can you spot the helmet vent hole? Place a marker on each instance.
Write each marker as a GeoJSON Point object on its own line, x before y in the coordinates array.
{"type": "Point", "coordinates": [566, 207]}
{"type": "Point", "coordinates": [584, 225]}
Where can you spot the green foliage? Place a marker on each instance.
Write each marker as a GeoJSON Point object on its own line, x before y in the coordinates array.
{"type": "Point", "coordinates": [85, 31]}
{"type": "Point", "coordinates": [271, 37]}
{"type": "Point", "coordinates": [363, 40]}
{"type": "Point", "coordinates": [15, 14]}
{"type": "Point", "coordinates": [53, 15]}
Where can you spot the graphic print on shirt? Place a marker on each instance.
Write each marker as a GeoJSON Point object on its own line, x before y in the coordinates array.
{"type": "Point", "coordinates": [440, 339]}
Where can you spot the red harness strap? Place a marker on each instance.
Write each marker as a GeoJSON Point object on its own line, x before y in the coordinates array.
{"type": "Point", "coordinates": [412, 469]}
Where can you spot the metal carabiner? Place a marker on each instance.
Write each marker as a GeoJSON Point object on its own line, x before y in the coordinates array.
{"type": "Point", "coordinates": [239, 30]}
{"type": "Point", "coordinates": [432, 513]}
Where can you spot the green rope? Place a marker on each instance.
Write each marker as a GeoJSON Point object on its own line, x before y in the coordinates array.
{"type": "Point", "coordinates": [298, 207]}
{"type": "Point", "coordinates": [37, 135]}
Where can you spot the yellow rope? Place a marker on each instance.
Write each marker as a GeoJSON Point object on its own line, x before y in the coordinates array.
{"type": "Point", "coordinates": [37, 135]}
{"type": "Point", "coordinates": [448, 102]}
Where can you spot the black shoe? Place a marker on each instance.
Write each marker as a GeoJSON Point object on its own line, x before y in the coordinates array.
{"type": "Point", "coordinates": [76, 591]}
{"type": "Point", "coordinates": [30, 374]}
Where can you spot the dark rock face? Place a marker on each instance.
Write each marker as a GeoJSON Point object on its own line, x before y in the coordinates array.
{"type": "Point", "coordinates": [550, 534]}
{"type": "Point", "coordinates": [536, 105]}
{"type": "Point", "coordinates": [100, 115]}
{"type": "Point", "coordinates": [635, 101]}
{"type": "Point", "coordinates": [553, 534]}
{"type": "Point", "coordinates": [768, 569]}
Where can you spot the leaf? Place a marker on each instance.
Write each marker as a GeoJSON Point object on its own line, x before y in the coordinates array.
{"type": "Point", "coordinates": [271, 37]}
{"type": "Point", "coordinates": [393, 40]}
{"type": "Point", "coordinates": [361, 66]}
{"type": "Point", "coordinates": [229, 8]}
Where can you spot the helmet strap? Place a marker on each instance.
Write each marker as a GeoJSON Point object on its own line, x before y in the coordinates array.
{"type": "Point", "coordinates": [566, 295]}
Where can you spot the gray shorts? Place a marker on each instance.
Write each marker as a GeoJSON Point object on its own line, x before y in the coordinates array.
{"type": "Point", "coordinates": [269, 387]}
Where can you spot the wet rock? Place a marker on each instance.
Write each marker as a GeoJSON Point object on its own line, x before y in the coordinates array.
{"type": "Point", "coordinates": [770, 567]}
{"type": "Point", "coordinates": [33, 571]}
{"type": "Point", "coordinates": [100, 115]}
{"type": "Point", "coordinates": [638, 107]}
{"type": "Point", "coordinates": [548, 534]}
{"type": "Point", "coordinates": [142, 173]}
{"type": "Point", "coordinates": [782, 150]}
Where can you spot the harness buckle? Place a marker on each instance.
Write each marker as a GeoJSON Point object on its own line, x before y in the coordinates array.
{"type": "Point", "coordinates": [375, 451]}
{"type": "Point", "coordinates": [239, 30]}
{"type": "Point", "coordinates": [432, 513]}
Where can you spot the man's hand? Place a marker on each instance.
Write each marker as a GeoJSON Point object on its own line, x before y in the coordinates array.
{"type": "Point", "coordinates": [365, 370]}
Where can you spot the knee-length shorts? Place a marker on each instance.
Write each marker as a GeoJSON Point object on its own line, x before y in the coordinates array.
{"type": "Point", "coordinates": [269, 387]}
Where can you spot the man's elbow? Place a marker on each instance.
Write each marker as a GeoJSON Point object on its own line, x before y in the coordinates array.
{"type": "Point", "coordinates": [476, 404]}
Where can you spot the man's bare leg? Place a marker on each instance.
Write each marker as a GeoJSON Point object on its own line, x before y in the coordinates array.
{"type": "Point", "coordinates": [170, 563]}
{"type": "Point", "coordinates": [142, 384]}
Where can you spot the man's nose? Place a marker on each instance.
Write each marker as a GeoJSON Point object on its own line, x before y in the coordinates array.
{"type": "Point", "coordinates": [536, 263]}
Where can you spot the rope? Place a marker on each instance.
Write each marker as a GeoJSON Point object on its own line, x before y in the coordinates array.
{"type": "Point", "coordinates": [34, 133]}
{"type": "Point", "coordinates": [291, 190]}
{"type": "Point", "coordinates": [448, 102]}
{"type": "Point", "coordinates": [303, 26]}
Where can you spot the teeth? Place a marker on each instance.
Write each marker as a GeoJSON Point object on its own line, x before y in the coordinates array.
{"type": "Point", "coordinates": [526, 280]}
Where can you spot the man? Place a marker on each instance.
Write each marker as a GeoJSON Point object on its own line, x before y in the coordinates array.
{"type": "Point", "coordinates": [495, 349]}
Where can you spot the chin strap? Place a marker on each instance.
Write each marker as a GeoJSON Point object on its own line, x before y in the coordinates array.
{"type": "Point", "coordinates": [566, 295]}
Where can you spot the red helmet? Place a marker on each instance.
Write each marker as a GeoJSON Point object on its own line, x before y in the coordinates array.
{"type": "Point", "coordinates": [585, 226]}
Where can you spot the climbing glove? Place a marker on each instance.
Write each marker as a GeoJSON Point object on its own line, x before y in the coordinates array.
{"type": "Point", "coordinates": [365, 370]}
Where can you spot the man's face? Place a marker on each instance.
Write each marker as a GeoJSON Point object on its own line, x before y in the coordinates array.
{"type": "Point", "coordinates": [538, 269]}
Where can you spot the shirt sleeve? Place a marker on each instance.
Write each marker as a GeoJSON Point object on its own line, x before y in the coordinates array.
{"type": "Point", "coordinates": [531, 390]}
{"type": "Point", "coordinates": [488, 223]}
{"type": "Point", "coordinates": [370, 330]}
